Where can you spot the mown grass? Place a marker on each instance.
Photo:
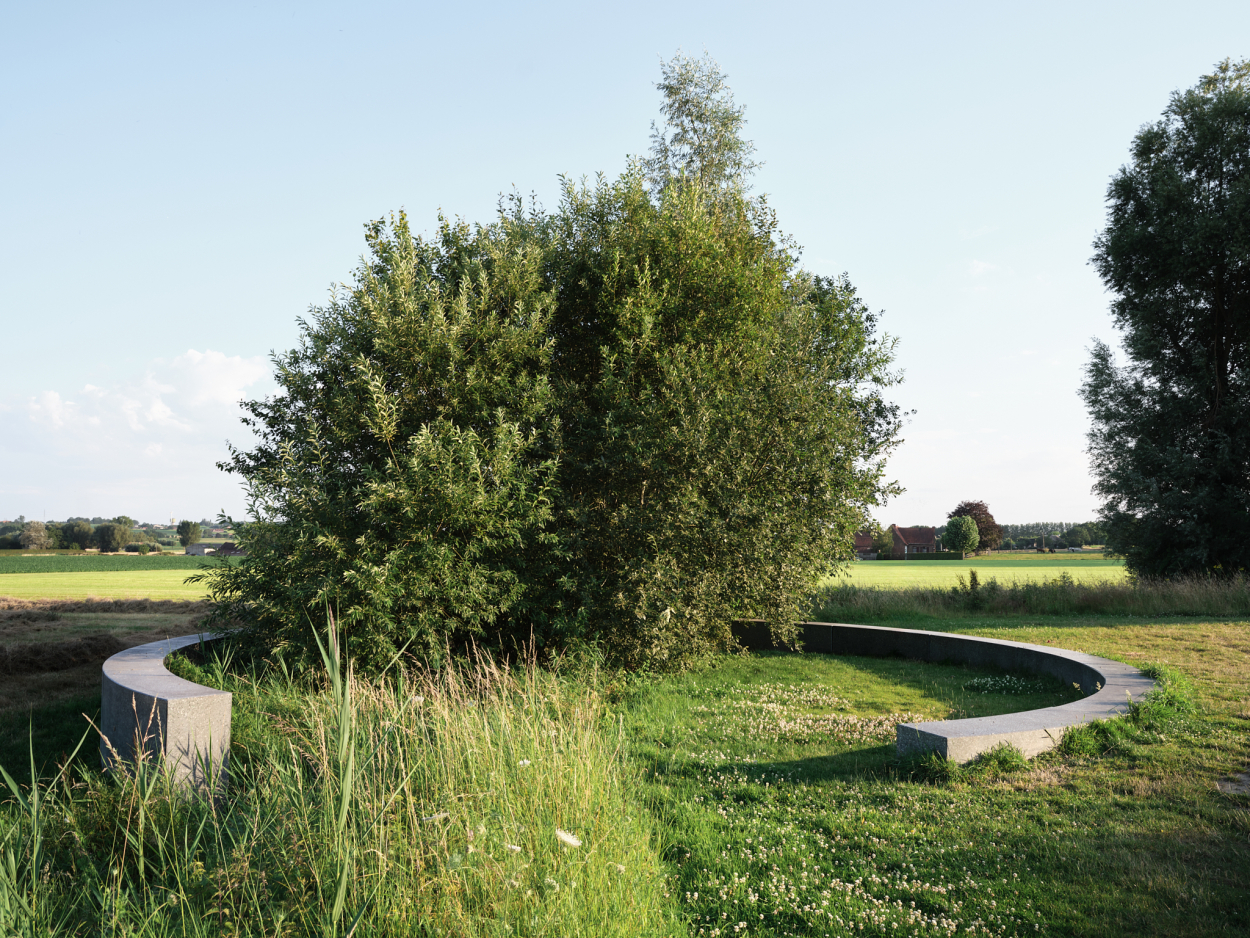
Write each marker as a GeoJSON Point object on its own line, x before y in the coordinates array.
{"type": "Point", "coordinates": [1121, 832]}
{"type": "Point", "coordinates": [119, 584]}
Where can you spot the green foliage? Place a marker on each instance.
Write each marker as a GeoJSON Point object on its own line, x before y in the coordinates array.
{"type": "Point", "coordinates": [111, 537]}
{"type": "Point", "coordinates": [700, 142]}
{"type": "Point", "coordinates": [76, 534]}
{"type": "Point", "coordinates": [189, 532]}
{"type": "Point", "coordinates": [35, 536]}
{"type": "Point", "coordinates": [990, 535]}
{"type": "Point", "coordinates": [628, 422]}
{"type": "Point", "coordinates": [961, 534]}
{"type": "Point", "coordinates": [1169, 437]}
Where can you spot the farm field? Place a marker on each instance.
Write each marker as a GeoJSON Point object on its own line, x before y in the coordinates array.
{"type": "Point", "coordinates": [1085, 568]}
{"type": "Point", "coordinates": [108, 584]}
{"type": "Point", "coordinates": [99, 563]}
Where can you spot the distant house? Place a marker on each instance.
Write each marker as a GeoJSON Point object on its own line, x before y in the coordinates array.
{"type": "Point", "coordinates": [229, 550]}
{"type": "Point", "coordinates": [915, 540]}
{"type": "Point", "coordinates": [863, 545]}
{"type": "Point", "coordinates": [200, 550]}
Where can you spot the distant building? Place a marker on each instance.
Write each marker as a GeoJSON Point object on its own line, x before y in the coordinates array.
{"type": "Point", "coordinates": [863, 545]}
{"type": "Point", "coordinates": [200, 550]}
{"type": "Point", "coordinates": [915, 540]}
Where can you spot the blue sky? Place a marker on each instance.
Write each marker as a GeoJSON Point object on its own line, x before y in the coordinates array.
{"type": "Point", "coordinates": [177, 186]}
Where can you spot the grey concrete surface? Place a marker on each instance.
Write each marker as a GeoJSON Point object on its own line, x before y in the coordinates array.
{"type": "Point", "coordinates": [148, 713]}
{"type": "Point", "coordinates": [1109, 686]}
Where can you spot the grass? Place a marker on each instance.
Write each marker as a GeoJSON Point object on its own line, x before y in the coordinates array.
{"type": "Point", "coordinates": [97, 563]}
{"type": "Point", "coordinates": [981, 594]}
{"type": "Point", "coordinates": [120, 584]}
{"type": "Point", "coordinates": [760, 796]}
{"type": "Point", "coordinates": [896, 574]}
{"type": "Point", "coordinates": [479, 801]}
{"type": "Point", "coordinates": [773, 834]}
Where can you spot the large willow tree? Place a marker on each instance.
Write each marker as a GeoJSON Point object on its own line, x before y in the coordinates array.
{"type": "Point", "coordinates": [626, 423]}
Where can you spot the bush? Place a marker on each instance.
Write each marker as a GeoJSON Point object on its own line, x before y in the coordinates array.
{"type": "Point", "coordinates": [625, 424]}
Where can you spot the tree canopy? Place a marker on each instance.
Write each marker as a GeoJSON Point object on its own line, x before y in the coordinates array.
{"type": "Point", "coordinates": [189, 532]}
{"type": "Point", "coordinates": [961, 534]}
{"type": "Point", "coordinates": [1170, 436]}
{"type": "Point", "coordinates": [625, 422]}
{"type": "Point", "coordinates": [989, 534]}
{"type": "Point", "coordinates": [35, 536]}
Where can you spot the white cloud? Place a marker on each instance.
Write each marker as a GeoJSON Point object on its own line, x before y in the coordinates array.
{"type": "Point", "coordinates": [144, 446]}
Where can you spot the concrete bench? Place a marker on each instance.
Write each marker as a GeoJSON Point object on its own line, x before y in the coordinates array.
{"type": "Point", "coordinates": [1109, 685]}
{"type": "Point", "coordinates": [146, 713]}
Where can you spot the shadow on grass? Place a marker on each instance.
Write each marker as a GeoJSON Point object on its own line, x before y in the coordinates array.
{"type": "Point", "coordinates": [54, 730]}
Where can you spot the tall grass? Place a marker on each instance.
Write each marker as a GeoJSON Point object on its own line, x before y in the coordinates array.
{"type": "Point", "coordinates": [480, 800]}
{"type": "Point", "coordinates": [1197, 596]}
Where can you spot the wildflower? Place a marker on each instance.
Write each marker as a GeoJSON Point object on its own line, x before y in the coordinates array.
{"type": "Point", "coordinates": [552, 883]}
{"type": "Point", "coordinates": [620, 867]}
{"type": "Point", "coordinates": [568, 839]}
{"type": "Point", "coordinates": [513, 847]}
{"type": "Point", "coordinates": [523, 763]}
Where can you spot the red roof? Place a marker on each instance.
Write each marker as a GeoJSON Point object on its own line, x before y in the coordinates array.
{"type": "Point", "coordinates": [919, 534]}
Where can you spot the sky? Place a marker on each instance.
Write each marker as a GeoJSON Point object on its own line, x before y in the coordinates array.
{"type": "Point", "coordinates": [180, 183]}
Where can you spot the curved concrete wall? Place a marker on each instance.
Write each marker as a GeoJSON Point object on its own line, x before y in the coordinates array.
{"type": "Point", "coordinates": [1109, 685]}
{"type": "Point", "coordinates": [148, 713]}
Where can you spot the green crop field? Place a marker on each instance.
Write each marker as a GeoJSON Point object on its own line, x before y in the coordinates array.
{"type": "Point", "coordinates": [1084, 568]}
{"type": "Point", "coordinates": [101, 563]}
{"type": "Point", "coordinates": [105, 584]}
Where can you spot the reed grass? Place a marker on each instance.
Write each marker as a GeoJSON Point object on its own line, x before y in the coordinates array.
{"type": "Point", "coordinates": [481, 800]}
{"type": "Point", "coordinates": [1061, 596]}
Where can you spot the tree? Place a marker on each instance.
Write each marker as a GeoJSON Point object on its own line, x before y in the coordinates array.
{"type": "Point", "coordinates": [989, 533]}
{"type": "Point", "coordinates": [625, 423]}
{"type": "Point", "coordinates": [701, 139]}
{"type": "Point", "coordinates": [189, 532]}
{"type": "Point", "coordinates": [76, 534]}
{"type": "Point", "coordinates": [961, 534]}
{"type": "Point", "coordinates": [1170, 435]}
{"type": "Point", "coordinates": [111, 537]}
{"type": "Point", "coordinates": [35, 536]}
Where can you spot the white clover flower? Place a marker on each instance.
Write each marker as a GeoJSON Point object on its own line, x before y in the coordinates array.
{"type": "Point", "coordinates": [523, 763]}
{"type": "Point", "coordinates": [513, 847]}
{"type": "Point", "coordinates": [568, 839]}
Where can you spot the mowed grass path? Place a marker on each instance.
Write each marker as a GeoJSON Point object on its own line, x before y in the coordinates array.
{"type": "Point", "coordinates": [1086, 568]}
{"type": "Point", "coordinates": [120, 584]}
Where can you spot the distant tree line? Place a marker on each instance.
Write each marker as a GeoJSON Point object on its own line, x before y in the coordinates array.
{"type": "Point", "coordinates": [107, 535]}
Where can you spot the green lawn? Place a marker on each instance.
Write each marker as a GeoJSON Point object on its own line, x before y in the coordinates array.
{"type": "Point", "coordinates": [780, 823]}
{"type": "Point", "coordinates": [109, 584]}
{"type": "Point", "coordinates": [1005, 567]}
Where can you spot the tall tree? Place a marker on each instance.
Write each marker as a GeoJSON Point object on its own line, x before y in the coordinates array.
{"type": "Point", "coordinates": [76, 534]}
{"type": "Point", "coordinates": [111, 537]}
{"type": "Point", "coordinates": [35, 536]}
{"type": "Point", "coordinates": [627, 422]}
{"type": "Point", "coordinates": [1170, 435]}
{"type": "Point", "coordinates": [700, 140]}
{"type": "Point", "coordinates": [989, 534]}
{"type": "Point", "coordinates": [189, 532]}
{"type": "Point", "coordinates": [961, 534]}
